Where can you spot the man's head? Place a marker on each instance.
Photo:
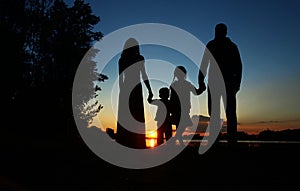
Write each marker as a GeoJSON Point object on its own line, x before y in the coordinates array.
{"type": "Point", "coordinates": [220, 30]}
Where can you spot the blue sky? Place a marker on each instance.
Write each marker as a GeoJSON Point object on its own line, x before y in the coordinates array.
{"type": "Point", "coordinates": [266, 32]}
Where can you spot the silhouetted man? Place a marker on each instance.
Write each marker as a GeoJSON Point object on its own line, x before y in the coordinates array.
{"type": "Point", "coordinates": [222, 51]}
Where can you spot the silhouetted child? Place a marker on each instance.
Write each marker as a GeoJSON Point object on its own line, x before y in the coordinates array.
{"type": "Point", "coordinates": [164, 126]}
{"type": "Point", "coordinates": [180, 101]}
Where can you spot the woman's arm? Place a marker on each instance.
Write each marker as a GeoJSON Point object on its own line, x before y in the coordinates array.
{"type": "Point", "coordinates": [203, 67]}
{"type": "Point", "coordinates": [145, 77]}
{"type": "Point", "coordinates": [121, 75]}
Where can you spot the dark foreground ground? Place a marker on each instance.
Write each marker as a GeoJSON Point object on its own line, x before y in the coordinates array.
{"type": "Point", "coordinates": [41, 165]}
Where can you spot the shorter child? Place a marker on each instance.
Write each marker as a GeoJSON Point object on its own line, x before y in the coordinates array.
{"type": "Point", "coordinates": [164, 126]}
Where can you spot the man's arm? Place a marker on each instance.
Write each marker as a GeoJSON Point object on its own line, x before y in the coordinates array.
{"type": "Point", "coordinates": [121, 75]}
{"type": "Point", "coordinates": [203, 68]}
{"type": "Point", "coordinates": [145, 77]}
{"type": "Point", "coordinates": [198, 91]}
{"type": "Point", "coordinates": [237, 68]}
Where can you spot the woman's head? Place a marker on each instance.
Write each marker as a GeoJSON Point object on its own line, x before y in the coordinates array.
{"type": "Point", "coordinates": [131, 46]}
{"type": "Point", "coordinates": [180, 72]}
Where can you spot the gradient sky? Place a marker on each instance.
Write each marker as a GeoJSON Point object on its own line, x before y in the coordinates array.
{"type": "Point", "coordinates": [267, 34]}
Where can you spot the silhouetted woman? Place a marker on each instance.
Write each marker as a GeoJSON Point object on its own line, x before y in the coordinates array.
{"type": "Point", "coordinates": [131, 119]}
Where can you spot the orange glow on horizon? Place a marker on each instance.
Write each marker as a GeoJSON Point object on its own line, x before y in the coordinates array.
{"type": "Point", "coordinates": [253, 127]}
{"type": "Point", "coordinates": [152, 143]}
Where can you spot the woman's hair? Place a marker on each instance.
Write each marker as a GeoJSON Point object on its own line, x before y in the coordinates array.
{"type": "Point", "coordinates": [179, 72]}
{"type": "Point", "coordinates": [131, 47]}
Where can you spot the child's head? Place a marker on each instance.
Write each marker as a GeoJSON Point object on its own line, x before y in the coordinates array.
{"type": "Point", "coordinates": [180, 72]}
{"type": "Point", "coordinates": [164, 93]}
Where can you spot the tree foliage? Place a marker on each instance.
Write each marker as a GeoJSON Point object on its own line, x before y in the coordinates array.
{"type": "Point", "coordinates": [45, 41]}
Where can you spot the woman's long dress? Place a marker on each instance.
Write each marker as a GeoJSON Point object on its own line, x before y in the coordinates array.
{"type": "Point", "coordinates": [131, 119]}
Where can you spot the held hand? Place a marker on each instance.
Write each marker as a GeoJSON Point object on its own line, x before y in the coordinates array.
{"type": "Point", "coordinates": [150, 96]}
{"type": "Point", "coordinates": [150, 93]}
{"type": "Point", "coordinates": [202, 88]}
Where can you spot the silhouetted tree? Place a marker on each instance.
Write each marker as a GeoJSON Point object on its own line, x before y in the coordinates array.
{"type": "Point", "coordinates": [282, 135]}
{"type": "Point", "coordinates": [86, 89]}
{"type": "Point", "coordinates": [57, 39]}
{"type": "Point", "coordinates": [44, 42]}
{"type": "Point", "coordinates": [12, 39]}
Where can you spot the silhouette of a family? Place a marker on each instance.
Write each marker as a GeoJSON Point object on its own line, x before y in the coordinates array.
{"type": "Point", "coordinates": [174, 105]}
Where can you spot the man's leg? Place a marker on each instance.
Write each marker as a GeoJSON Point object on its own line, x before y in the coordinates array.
{"type": "Point", "coordinates": [209, 101]}
{"type": "Point", "coordinates": [231, 119]}
{"type": "Point", "coordinates": [214, 110]}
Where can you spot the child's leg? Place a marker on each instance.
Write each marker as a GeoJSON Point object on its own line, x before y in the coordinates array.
{"type": "Point", "coordinates": [160, 135]}
{"type": "Point", "coordinates": [168, 131]}
{"type": "Point", "coordinates": [178, 135]}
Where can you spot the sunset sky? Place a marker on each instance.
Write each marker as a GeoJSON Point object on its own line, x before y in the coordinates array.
{"type": "Point", "coordinates": [267, 35]}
